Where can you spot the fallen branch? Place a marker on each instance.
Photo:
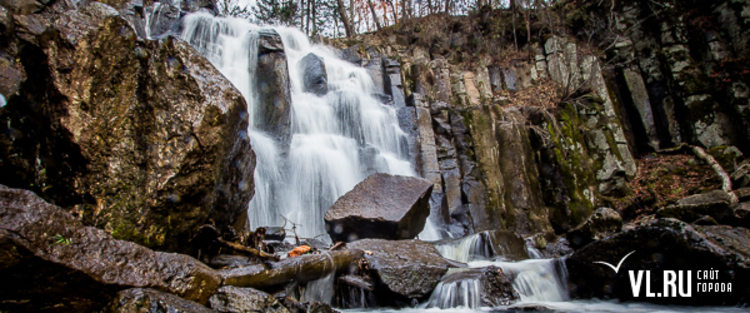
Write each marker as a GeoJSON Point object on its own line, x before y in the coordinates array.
{"type": "Point", "coordinates": [301, 269]}
{"type": "Point", "coordinates": [726, 181]}
{"type": "Point", "coordinates": [248, 250]}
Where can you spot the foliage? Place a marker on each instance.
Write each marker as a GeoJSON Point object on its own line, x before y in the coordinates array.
{"type": "Point", "coordinates": [59, 239]}
{"type": "Point", "coordinates": [664, 179]}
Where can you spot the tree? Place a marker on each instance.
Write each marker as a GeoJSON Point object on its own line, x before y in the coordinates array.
{"type": "Point", "coordinates": [345, 19]}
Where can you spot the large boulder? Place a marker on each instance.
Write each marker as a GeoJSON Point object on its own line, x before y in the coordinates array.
{"type": "Point", "coordinates": [149, 154]}
{"type": "Point", "coordinates": [660, 245]}
{"type": "Point", "coordinates": [231, 299]}
{"type": "Point", "coordinates": [381, 206]}
{"type": "Point", "coordinates": [51, 260]}
{"type": "Point", "coordinates": [404, 269]}
{"type": "Point", "coordinates": [275, 101]}
{"type": "Point", "coordinates": [715, 203]}
{"type": "Point", "coordinates": [314, 75]}
{"type": "Point", "coordinates": [482, 287]}
{"type": "Point", "coordinates": [600, 224]}
{"type": "Point", "coordinates": [140, 300]}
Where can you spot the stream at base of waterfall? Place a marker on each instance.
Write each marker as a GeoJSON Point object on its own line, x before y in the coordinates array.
{"type": "Point", "coordinates": [339, 138]}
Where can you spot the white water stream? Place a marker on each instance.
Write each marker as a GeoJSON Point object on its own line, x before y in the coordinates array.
{"type": "Point", "coordinates": [330, 133]}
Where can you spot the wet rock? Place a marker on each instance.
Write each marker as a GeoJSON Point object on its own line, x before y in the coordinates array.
{"type": "Point", "coordinates": [315, 76]}
{"type": "Point", "coordinates": [558, 248]}
{"type": "Point", "coordinates": [231, 299]}
{"type": "Point", "coordinates": [274, 111]}
{"type": "Point", "coordinates": [602, 223]}
{"type": "Point", "coordinates": [149, 154]}
{"type": "Point", "coordinates": [495, 289]}
{"type": "Point", "coordinates": [381, 206]}
{"type": "Point", "coordinates": [351, 54]}
{"type": "Point", "coordinates": [659, 245]}
{"type": "Point", "coordinates": [164, 19]}
{"type": "Point", "coordinates": [140, 300]}
{"type": "Point", "coordinates": [11, 76]}
{"type": "Point", "coordinates": [406, 269]}
{"type": "Point", "coordinates": [54, 260]}
{"type": "Point", "coordinates": [715, 204]}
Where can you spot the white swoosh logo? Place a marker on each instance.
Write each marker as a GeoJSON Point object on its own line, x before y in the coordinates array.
{"type": "Point", "coordinates": [616, 269]}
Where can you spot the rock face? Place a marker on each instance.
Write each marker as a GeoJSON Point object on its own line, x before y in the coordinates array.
{"type": "Point", "coordinates": [659, 245]}
{"type": "Point", "coordinates": [315, 76]}
{"type": "Point", "coordinates": [602, 223]}
{"type": "Point", "coordinates": [381, 206]}
{"type": "Point", "coordinates": [53, 259]}
{"type": "Point", "coordinates": [273, 87]}
{"type": "Point", "coordinates": [152, 301]}
{"type": "Point", "coordinates": [148, 154]}
{"type": "Point", "coordinates": [408, 269]}
{"type": "Point", "coordinates": [244, 300]}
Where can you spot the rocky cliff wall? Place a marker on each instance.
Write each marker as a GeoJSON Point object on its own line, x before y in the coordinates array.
{"type": "Point", "coordinates": [534, 141]}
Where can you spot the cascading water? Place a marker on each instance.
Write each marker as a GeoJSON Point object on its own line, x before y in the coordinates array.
{"type": "Point", "coordinates": [337, 139]}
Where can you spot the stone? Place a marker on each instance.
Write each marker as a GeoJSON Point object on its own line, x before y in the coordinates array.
{"type": "Point", "coordinates": [381, 206]}
{"type": "Point", "coordinates": [230, 299]}
{"type": "Point", "coordinates": [408, 269]}
{"type": "Point", "coordinates": [639, 96]}
{"type": "Point", "coordinates": [150, 154]}
{"type": "Point", "coordinates": [715, 203]}
{"type": "Point", "coordinates": [53, 260]}
{"type": "Point", "coordinates": [274, 112]}
{"type": "Point", "coordinates": [315, 78]}
{"type": "Point", "coordinates": [658, 245]}
{"type": "Point", "coordinates": [164, 19]}
{"type": "Point", "coordinates": [140, 300]}
{"type": "Point", "coordinates": [495, 289]}
{"type": "Point", "coordinates": [11, 76]}
{"type": "Point", "coordinates": [602, 223]}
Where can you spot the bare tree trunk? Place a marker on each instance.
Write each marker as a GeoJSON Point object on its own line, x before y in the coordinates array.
{"type": "Point", "coordinates": [347, 24]}
{"type": "Point", "coordinates": [393, 7]}
{"type": "Point", "coordinates": [447, 7]}
{"type": "Point", "coordinates": [374, 15]}
{"type": "Point", "coordinates": [513, 20]}
{"type": "Point", "coordinates": [301, 269]}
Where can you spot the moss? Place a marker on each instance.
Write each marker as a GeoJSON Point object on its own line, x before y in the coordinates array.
{"type": "Point", "coordinates": [573, 163]}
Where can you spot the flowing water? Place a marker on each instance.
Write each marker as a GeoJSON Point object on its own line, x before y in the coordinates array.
{"type": "Point", "coordinates": [337, 140]}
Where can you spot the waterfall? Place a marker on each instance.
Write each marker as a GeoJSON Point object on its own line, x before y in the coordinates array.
{"type": "Point", "coordinates": [337, 139]}
{"type": "Point", "coordinates": [535, 280]}
{"type": "Point", "coordinates": [463, 292]}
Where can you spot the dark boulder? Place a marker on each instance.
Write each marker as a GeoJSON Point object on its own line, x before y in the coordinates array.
{"type": "Point", "coordinates": [494, 288]}
{"type": "Point", "coordinates": [381, 206]}
{"type": "Point", "coordinates": [149, 154]}
{"type": "Point", "coordinates": [660, 245]}
{"type": "Point", "coordinates": [53, 260]}
{"type": "Point", "coordinates": [404, 269]}
{"type": "Point", "coordinates": [715, 203]}
{"type": "Point", "coordinates": [152, 301]}
{"type": "Point", "coordinates": [601, 223]}
{"type": "Point", "coordinates": [314, 75]}
{"type": "Point", "coordinates": [231, 299]}
{"type": "Point", "coordinates": [274, 110]}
